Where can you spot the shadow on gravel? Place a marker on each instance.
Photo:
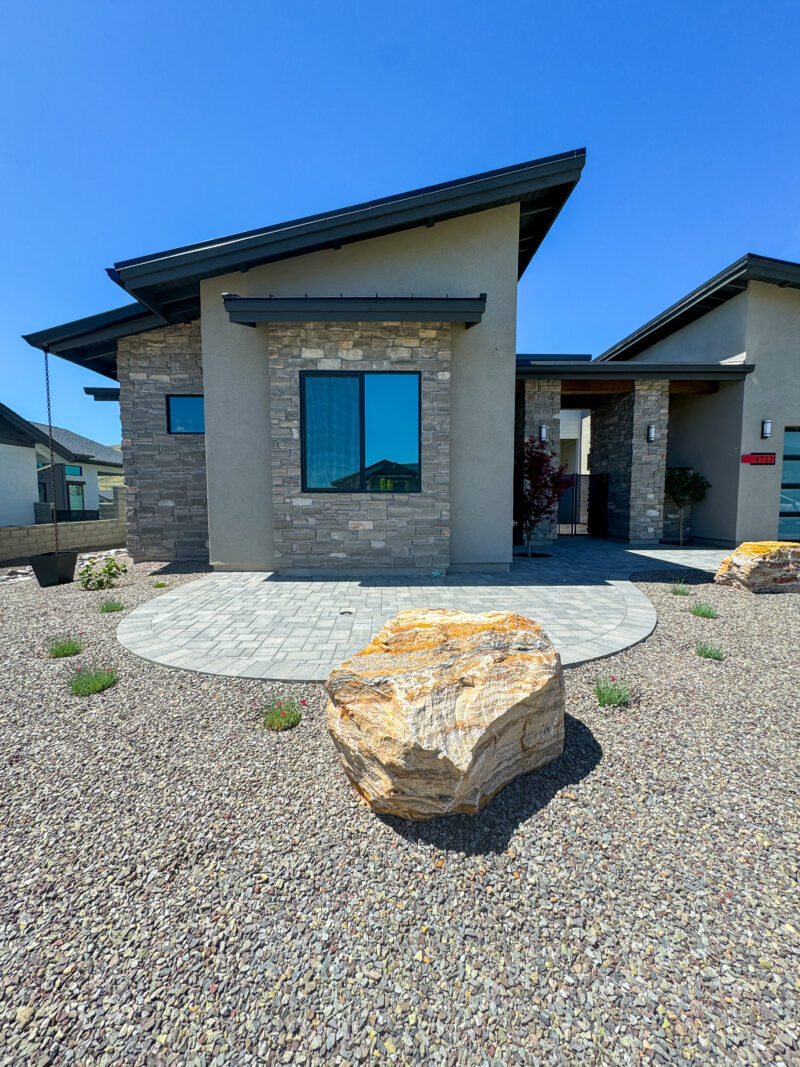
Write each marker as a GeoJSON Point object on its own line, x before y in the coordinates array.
{"type": "Point", "coordinates": [491, 829]}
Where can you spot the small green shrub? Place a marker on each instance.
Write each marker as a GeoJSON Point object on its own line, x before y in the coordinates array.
{"type": "Point", "coordinates": [708, 650]}
{"type": "Point", "coordinates": [160, 585]}
{"type": "Point", "coordinates": [85, 682]}
{"type": "Point", "coordinates": [110, 605]}
{"type": "Point", "coordinates": [281, 714]}
{"type": "Point", "coordinates": [680, 590]}
{"type": "Point", "coordinates": [611, 691]}
{"type": "Point", "coordinates": [103, 578]}
{"type": "Point", "coordinates": [704, 610]}
{"type": "Point", "coordinates": [67, 646]}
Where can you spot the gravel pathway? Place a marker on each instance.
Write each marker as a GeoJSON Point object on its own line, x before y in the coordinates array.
{"type": "Point", "coordinates": [179, 887]}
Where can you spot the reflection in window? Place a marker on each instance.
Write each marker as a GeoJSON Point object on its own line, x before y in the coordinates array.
{"type": "Point", "coordinates": [185, 414]}
{"type": "Point", "coordinates": [361, 432]}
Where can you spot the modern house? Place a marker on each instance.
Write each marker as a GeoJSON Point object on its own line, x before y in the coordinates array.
{"type": "Point", "coordinates": [27, 477]}
{"type": "Point", "coordinates": [343, 393]}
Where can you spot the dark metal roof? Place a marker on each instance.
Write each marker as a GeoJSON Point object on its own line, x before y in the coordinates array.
{"type": "Point", "coordinates": [99, 392]}
{"type": "Point", "coordinates": [168, 282]}
{"type": "Point", "coordinates": [36, 433]}
{"type": "Point", "coordinates": [250, 310]}
{"type": "Point", "coordinates": [167, 285]}
{"type": "Point", "coordinates": [722, 287]}
{"type": "Point", "coordinates": [84, 447]}
{"type": "Point", "coordinates": [597, 371]}
{"type": "Point", "coordinates": [92, 342]}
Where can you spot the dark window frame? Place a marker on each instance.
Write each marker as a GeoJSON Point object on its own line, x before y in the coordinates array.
{"type": "Point", "coordinates": [73, 470]}
{"type": "Point", "coordinates": [360, 375]}
{"type": "Point", "coordinates": [185, 396]}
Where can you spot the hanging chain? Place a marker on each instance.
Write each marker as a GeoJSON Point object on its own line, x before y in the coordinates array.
{"type": "Point", "coordinates": [52, 455]}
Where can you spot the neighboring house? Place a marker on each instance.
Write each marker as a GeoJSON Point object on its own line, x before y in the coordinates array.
{"type": "Point", "coordinates": [26, 475]}
{"type": "Point", "coordinates": [342, 392]}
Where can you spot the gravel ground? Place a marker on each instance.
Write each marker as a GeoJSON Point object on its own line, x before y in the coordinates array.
{"type": "Point", "coordinates": [178, 886]}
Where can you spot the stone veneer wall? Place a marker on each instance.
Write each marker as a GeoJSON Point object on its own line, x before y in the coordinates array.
{"type": "Point", "coordinates": [635, 467]}
{"type": "Point", "coordinates": [543, 408]}
{"type": "Point", "coordinates": [165, 474]}
{"type": "Point", "coordinates": [370, 531]}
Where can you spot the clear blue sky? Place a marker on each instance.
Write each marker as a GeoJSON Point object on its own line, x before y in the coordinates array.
{"type": "Point", "coordinates": [130, 128]}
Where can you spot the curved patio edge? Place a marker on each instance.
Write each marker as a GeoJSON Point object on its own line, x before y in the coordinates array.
{"type": "Point", "coordinates": [255, 625]}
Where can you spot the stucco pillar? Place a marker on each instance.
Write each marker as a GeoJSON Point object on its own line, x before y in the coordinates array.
{"type": "Point", "coordinates": [542, 408]}
{"type": "Point", "coordinates": [634, 465]}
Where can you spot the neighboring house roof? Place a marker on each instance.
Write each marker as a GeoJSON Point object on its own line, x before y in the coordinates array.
{"type": "Point", "coordinates": [711, 294]}
{"type": "Point", "coordinates": [166, 285]}
{"type": "Point", "coordinates": [83, 446]}
{"type": "Point", "coordinates": [33, 433]}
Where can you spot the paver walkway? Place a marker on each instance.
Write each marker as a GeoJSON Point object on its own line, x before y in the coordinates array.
{"type": "Point", "coordinates": [257, 625]}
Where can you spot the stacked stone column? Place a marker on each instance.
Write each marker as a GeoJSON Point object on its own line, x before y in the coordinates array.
{"type": "Point", "coordinates": [634, 465]}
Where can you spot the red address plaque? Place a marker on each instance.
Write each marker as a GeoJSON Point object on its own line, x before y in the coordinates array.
{"type": "Point", "coordinates": [765, 458]}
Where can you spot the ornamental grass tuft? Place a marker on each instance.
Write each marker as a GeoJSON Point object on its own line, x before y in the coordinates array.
{"type": "Point", "coordinates": [680, 590]}
{"type": "Point", "coordinates": [708, 650]}
{"type": "Point", "coordinates": [703, 610]}
{"type": "Point", "coordinates": [110, 605]}
{"type": "Point", "coordinates": [160, 585]}
{"type": "Point", "coordinates": [611, 691]}
{"type": "Point", "coordinates": [281, 714]}
{"type": "Point", "coordinates": [86, 681]}
{"type": "Point", "coordinates": [67, 646]}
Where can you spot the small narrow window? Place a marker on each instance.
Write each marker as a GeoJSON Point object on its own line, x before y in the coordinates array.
{"type": "Point", "coordinates": [185, 414]}
{"type": "Point", "coordinates": [360, 432]}
{"type": "Point", "coordinates": [73, 470]}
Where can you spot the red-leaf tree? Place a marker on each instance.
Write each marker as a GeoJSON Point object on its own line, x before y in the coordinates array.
{"type": "Point", "coordinates": [544, 483]}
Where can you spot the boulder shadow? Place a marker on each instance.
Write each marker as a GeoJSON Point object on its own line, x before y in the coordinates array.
{"type": "Point", "coordinates": [492, 828]}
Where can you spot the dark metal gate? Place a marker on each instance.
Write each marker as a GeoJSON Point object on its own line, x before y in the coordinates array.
{"type": "Point", "coordinates": [573, 508]}
{"type": "Point", "coordinates": [597, 514]}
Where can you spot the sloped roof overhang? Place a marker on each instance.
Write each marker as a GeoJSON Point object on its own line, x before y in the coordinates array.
{"type": "Point", "coordinates": [710, 295]}
{"type": "Point", "coordinates": [166, 285]}
{"type": "Point", "coordinates": [168, 282]}
{"type": "Point", "coordinates": [92, 342]}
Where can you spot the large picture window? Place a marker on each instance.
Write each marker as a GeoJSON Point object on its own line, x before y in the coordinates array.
{"type": "Point", "coordinates": [185, 414]}
{"type": "Point", "coordinates": [360, 431]}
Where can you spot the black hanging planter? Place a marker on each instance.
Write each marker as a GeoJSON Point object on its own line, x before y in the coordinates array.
{"type": "Point", "coordinates": [54, 568]}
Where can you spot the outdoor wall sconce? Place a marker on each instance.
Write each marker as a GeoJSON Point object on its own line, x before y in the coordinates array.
{"type": "Point", "coordinates": [766, 428]}
{"type": "Point", "coordinates": [651, 433]}
{"type": "Point", "coordinates": [543, 434]}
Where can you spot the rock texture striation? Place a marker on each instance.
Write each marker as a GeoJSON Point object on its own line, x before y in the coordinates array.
{"type": "Point", "coordinates": [443, 708]}
{"type": "Point", "coordinates": [762, 567]}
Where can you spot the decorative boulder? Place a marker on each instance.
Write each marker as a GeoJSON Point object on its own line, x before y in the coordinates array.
{"type": "Point", "coordinates": [443, 708]}
{"type": "Point", "coordinates": [762, 567]}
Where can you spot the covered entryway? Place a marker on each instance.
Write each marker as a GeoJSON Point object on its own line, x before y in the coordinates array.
{"type": "Point", "coordinates": [629, 415]}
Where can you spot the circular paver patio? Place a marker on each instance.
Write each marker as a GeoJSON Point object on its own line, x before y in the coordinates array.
{"type": "Point", "coordinates": [257, 625]}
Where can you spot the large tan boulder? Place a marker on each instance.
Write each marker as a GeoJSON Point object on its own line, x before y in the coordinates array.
{"type": "Point", "coordinates": [762, 567]}
{"type": "Point", "coordinates": [443, 708]}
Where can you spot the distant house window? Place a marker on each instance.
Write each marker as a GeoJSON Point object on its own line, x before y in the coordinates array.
{"type": "Point", "coordinates": [360, 432]}
{"type": "Point", "coordinates": [42, 493]}
{"type": "Point", "coordinates": [185, 414]}
{"type": "Point", "coordinates": [73, 471]}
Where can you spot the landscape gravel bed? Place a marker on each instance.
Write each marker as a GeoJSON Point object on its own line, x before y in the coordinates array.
{"type": "Point", "coordinates": [179, 886]}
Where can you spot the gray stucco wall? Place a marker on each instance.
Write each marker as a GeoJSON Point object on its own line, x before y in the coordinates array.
{"type": "Point", "coordinates": [165, 474]}
{"type": "Point", "coordinates": [362, 531]}
{"type": "Point", "coordinates": [772, 391]}
{"type": "Point", "coordinates": [461, 257]}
